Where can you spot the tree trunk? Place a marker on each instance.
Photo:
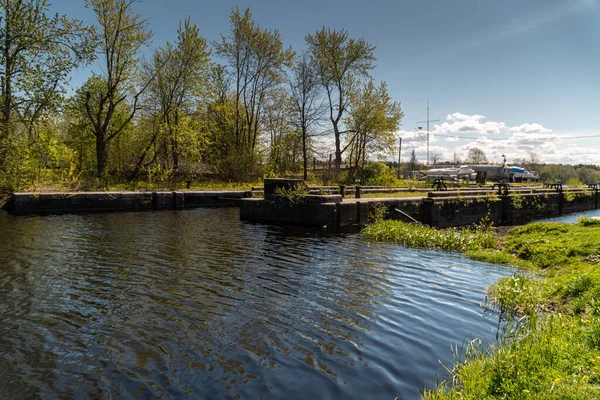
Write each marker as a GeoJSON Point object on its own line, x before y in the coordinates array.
{"type": "Point", "coordinates": [174, 147]}
{"type": "Point", "coordinates": [338, 150]}
{"type": "Point", "coordinates": [101, 155]}
{"type": "Point", "coordinates": [304, 157]}
{"type": "Point", "coordinates": [363, 146]}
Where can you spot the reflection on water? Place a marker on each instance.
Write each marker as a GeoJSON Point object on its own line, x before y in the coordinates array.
{"type": "Point", "coordinates": [197, 304]}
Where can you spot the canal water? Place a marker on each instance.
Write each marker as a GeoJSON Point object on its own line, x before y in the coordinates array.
{"type": "Point", "coordinates": [196, 304]}
{"type": "Point", "coordinates": [573, 217]}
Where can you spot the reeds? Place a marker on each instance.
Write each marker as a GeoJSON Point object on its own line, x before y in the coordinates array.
{"type": "Point", "coordinates": [411, 235]}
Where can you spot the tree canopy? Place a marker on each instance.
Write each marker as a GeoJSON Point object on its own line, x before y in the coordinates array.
{"type": "Point", "coordinates": [37, 53]}
{"type": "Point", "coordinates": [341, 61]}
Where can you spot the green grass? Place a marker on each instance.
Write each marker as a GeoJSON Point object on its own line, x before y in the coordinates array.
{"type": "Point", "coordinates": [141, 185]}
{"type": "Point", "coordinates": [558, 358]}
{"type": "Point", "coordinates": [426, 237]}
{"type": "Point", "coordinates": [549, 341]}
{"type": "Point", "coordinates": [196, 185]}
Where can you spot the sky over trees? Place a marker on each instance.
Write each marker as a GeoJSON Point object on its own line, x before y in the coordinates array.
{"type": "Point", "coordinates": [237, 104]}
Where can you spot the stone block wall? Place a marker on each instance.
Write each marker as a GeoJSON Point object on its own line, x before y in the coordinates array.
{"type": "Point", "coordinates": [582, 200]}
{"type": "Point", "coordinates": [44, 203]}
{"type": "Point", "coordinates": [461, 211]}
{"type": "Point", "coordinates": [307, 214]}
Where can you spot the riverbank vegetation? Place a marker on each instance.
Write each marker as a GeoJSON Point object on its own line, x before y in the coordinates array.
{"type": "Point", "coordinates": [412, 235]}
{"type": "Point", "coordinates": [549, 336]}
{"type": "Point", "coordinates": [234, 110]}
{"type": "Point", "coordinates": [191, 111]}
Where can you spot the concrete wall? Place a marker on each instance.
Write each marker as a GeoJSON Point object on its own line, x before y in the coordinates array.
{"type": "Point", "coordinates": [307, 214]}
{"type": "Point", "coordinates": [35, 203]}
{"type": "Point", "coordinates": [333, 215]}
{"type": "Point", "coordinates": [576, 201]}
{"type": "Point", "coordinates": [330, 211]}
{"type": "Point", "coordinates": [460, 211]}
{"type": "Point", "coordinates": [514, 209]}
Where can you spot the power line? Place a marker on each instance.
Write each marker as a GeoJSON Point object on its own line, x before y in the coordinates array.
{"type": "Point", "coordinates": [515, 139]}
{"type": "Point", "coordinates": [421, 136]}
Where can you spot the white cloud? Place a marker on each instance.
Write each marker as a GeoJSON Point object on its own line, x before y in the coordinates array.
{"type": "Point", "coordinates": [462, 132]}
{"type": "Point", "coordinates": [530, 128]}
{"type": "Point", "coordinates": [409, 135]}
{"type": "Point", "coordinates": [459, 122]}
{"type": "Point", "coordinates": [463, 117]}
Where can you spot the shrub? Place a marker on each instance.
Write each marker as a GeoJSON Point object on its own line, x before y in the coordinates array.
{"type": "Point", "coordinates": [293, 194]}
{"type": "Point", "coordinates": [377, 174]}
{"type": "Point", "coordinates": [588, 221]}
{"type": "Point", "coordinates": [574, 182]}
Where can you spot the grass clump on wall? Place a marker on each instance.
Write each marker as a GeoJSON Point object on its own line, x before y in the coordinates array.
{"type": "Point", "coordinates": [411, 235]}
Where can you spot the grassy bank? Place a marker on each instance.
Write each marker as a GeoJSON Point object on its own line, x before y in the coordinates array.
{"type": "Point", "coordinates": [549, 343]}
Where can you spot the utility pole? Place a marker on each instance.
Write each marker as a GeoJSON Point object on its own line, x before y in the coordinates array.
{"type": "Point", "coordinates": [428, 121]}
{"type": "Point", "coordinates": [399, 153]}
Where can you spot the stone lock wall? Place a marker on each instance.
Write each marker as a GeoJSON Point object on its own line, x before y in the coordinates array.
{"type": "Point", "coordinates": [29, 203]}
{"type": "Point", "coordinates": [514, 209]}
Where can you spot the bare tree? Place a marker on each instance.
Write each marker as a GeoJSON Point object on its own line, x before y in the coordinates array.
{"type": "Point", "coordinates": [533, 161]}
{"type": "Point", "coordinates": [522, 162]}
{"type": "Point", "coordinates": [435, 158]}
{"type": "Point", "coordinates": [456, 159]}
{"type": "Point", "coordinates": [257, 59]}
{"type": "Point", "coordinates": [413, 163]}
{"type": "Point", "coordinates": [308, 109]}
{"type": "Point", "coordinates": [278, 123]}
{"type": "Point", "coordinates": [476, 156]}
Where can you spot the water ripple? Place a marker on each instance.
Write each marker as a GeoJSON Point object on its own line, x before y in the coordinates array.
{"type": "Point", "coordinates": [197, 304]}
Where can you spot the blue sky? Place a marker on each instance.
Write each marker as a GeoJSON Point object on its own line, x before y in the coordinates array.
{"type": "Point", "coordinates": [507, 76]}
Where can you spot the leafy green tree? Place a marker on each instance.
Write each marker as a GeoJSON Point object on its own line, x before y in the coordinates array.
{"type": "Point", "coordinates": [179, 87]}
{"type": "Point", "coordinates": [557, 173]}
{"type": "Point", "coordinates": [340, 62]}
{"type": "Point", "coordinates": [37, 53]}
{"type": "Point", "coordinates": [220, 119]}
{"type": "Point", "coordinates": [123, 33]}
{"type": "Point", "coordinates": [257, 62]}
{"type": "Point", "coordinates": [54, 159]}
{"type": "Point", "coordinates": [374, 119]}
{"type": "Point", "coordinates": [81, 132]}
{"type": "Point", "coordinates": [588, 175]}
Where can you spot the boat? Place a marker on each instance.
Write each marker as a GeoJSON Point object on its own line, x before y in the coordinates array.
{"type": "Point", "coordinates": [462, 172]}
